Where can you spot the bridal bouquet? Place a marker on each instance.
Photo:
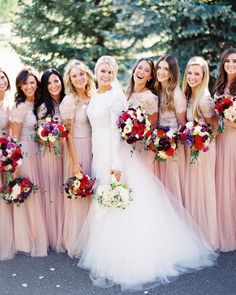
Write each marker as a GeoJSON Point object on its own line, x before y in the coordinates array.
{"type": "Point", "coordinates": [79, 186]}
{"type": "Point", "coordinates": [133, 124]}
{"type": "Point", "coordinates": [10, 155]}
{"type": "Point", "coordinates": [197, 136]}
{"type": "Point", "coordinates": [162, 141]}
{"type": "Point", "coordinates": [18, 190]}
{"type": "Point", "coordinates": [51, 133]}
{"type": "Point", "coordinates": [225, 107]}
{"type": "Point", "coordinates": [115, 195]}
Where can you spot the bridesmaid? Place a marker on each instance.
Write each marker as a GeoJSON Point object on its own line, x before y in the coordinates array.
{"type": "Point", "coordinates": [172, 114]}
{"type": "Point", "coordinates": [226, 157]}
{"type": "Point", "coordinates": [200, 186]}
{"type": "Point", "coordinates": [140, 92]}
{"type": "Point", "coordinates": [29, 227]}
{"type": "Point", "coordinates": [78, 81]}
{"type": "Point", "coordinates": [50, 165]}
{"type": "Point", "coordinates": [7, 250]}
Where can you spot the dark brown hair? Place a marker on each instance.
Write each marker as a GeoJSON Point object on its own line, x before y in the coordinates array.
{"type": "Point", "coordinates": [5, 74]}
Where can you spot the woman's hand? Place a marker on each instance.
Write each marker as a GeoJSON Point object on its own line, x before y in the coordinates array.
{"type": "Point", "coordinates": [76, 168]}
{"type": "Point", "coordinates": [229, 123]}
{"type": "Point", "coordinates": [117, 174]}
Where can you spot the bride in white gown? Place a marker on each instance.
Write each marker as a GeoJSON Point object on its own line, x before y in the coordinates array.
{"type": "Point", "coordinates": [153, 240]}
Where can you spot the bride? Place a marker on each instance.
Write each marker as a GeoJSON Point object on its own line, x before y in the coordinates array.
{"type": "Point", "coordinates": [153, 240]}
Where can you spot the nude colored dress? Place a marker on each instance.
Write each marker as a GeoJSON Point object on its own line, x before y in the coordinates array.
{"type": "Point", "coordinates": [148, 102]}
{"type": "Point", "coordinates": [51, 184]}
{"type": "Point", "coordinates": [75, 211]}
{"type": "Point", "coordinates": [200, 185]}
{"type": "Point", "coordinates": [226, 188]}
{"type": "Point", "coordinates": [172, 171]}
{"type": "Point", "coordinates": [29, 226]}
{"type": "Point", "coordinates": [7, 249]}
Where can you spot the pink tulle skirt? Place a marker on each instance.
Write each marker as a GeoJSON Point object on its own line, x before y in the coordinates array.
{"type": "Point", "coordinates": [75, 211]}
{"type": "Point", "coordinates": [226, 188]}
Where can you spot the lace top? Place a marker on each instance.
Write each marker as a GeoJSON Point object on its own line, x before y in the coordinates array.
{"type": "Point", "coordinates": [169, 118]}
{"type": "Point", "coordinates": [4, 119]}
{"type": "Point", "coordinates": [206, 107]}
{"type": "Point", "coordinates": [42, 111]}
{"type": "Point", "coordinates": [77, 111]}
{"type": "Point", "coordinates": [146, 100]}
{"type": "Point", "coordinates": [103, 111]}
{"type": "Point", "coordinates": [23, 113]}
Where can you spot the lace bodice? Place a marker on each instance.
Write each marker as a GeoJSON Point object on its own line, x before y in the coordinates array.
{"type": "Point", "coordinates": [76, 111]}
{"type": "Point", "coordinates": [23, 113]}
{"type": "Point", "coordinates": [42, 111]}
{"type": "Point", "coordinates": [4, 119]}
{"type": "Point", "coordinates": [206, 107]}
{"type": "Point", "coordinates": [169, 118]}
{"type": "Point", "coordinates": [103, 112]}
{"type": "Point", "coordinates": [146, 100]}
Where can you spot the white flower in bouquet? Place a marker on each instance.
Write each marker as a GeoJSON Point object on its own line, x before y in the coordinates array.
{"type": "Point", "coordinates": [171, 132]}
{"type": "Point", "coordinates": [189, 125]}
{"type": "Point", "coordinates": [51, 138]}
{"type": "Point", "coordinates": [162, 155]}
{"type": "Point", "coordinates": [16, 190]}
{"type": "Point", "coordinates": [197, 130]}
{"type": "Point", "coordinates": [230, 113]}
{"type": "Point", "coordinates": [127, 129]}
{"type": "Point", "coordinates": [129, 122]}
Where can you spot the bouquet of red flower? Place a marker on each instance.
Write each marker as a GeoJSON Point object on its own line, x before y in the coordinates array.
{"type": "Point", "coordinates": [225, 106]}
{"type": "Point", "coordinates": [10, 155]}
{"type": "Point", "coordinates": [162, 141]}
{"type": "Point", "coordinates": [133, 124]}
{"type": "Point", "coordinates": [79, 186]}
{"type": "Point", "coordinates": [197, 136]}
{"type": "Point", "coordinates": [18, 190]}
{"type": "Point", "coordinates": [51, 132]}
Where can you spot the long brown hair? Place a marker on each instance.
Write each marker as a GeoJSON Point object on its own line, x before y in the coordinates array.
{"type": "Point", "coordinates": [221, 80]}
{"type": "Point", "coordinates": [168, 99]}
{"type": "Point", "coordinates": [149, 84]}
{"type": "Point", "coordinates": [8, 81]}
{"type": "Point", "coordinates": [21, 79]}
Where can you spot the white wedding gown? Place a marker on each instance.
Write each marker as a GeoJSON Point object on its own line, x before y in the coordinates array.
{"type": "Point", "coordinates": [150, 242]}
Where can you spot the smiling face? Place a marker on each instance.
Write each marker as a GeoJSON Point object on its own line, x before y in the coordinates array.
{"type": "Point", "coordinates": [54, 86]}
{"type": "Point", "coordinates": [230, 65]}
{"type": "Point", "coordinates": [142, 73]}
{"type": "Point", "coordinates": [29, 87]}
{"type": "Point", "coordinates": [104, 75]}
{"type": "Point", "coordinates": [194, 76]}
{"type": "Point", "coordinates": [3, 82]}
{"type": "Point", "coordinates": [163, 74]}
{"type": "Point", "coordinates": [78, 78]}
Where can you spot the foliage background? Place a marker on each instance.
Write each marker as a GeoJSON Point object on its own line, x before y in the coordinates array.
{"type": "Point", "coordinates": [49, 33]}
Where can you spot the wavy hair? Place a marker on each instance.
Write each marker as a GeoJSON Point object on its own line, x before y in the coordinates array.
{"type": "Point", "coordinates": [149, 84]}
{"type": "Point", "coordinates": [167, 99]}
{"type": "Point", "coordinates": [46, 97]}
{"type": "Point", "coordinates": [69, 88]}
{"type": "Point", "coordinates": [202, 89]}
{"type": "Point", "coordinates": [21, 79]}
{"type": "Point", "coordinates": [221, 80]}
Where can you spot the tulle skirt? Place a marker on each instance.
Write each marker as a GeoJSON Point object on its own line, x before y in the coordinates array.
{"type": "Point", "coordinates": [52, 198]}
{"type": "Point", "coordinates": [226, 188]}
{"type": "Point", "coordinates": [75, 211]}
{"type": "Point", "coordinates": [29, 226]}
{"type": "Point", "coordinates": [7, 249]}
{"type": "Point", "coordinates": [200, 193]}
{"type": "Point", "coordinates": [150, 242]}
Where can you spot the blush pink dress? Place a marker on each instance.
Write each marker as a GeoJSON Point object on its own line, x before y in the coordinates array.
{"type": "Point", "coordinates": [75, 211]}
{"type": "Point", "coordinates": [200, 185]}
{"type": "Point", "coordinates": [7, 249]}
{"type": "Point", "coordinates": [148, 102]}
{"type": "Point", "coordinates": [29, 227]}
{"type": "Point", "coordinates": [51, 183]}
{"type": "Point", "coordinates": [226, 188]}
{"type": "Point", "coordinates": [172, 171]}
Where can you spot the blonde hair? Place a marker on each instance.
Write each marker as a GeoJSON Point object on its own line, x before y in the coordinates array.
{"type": "Point", "coordinates": [202, 89]}
{"type": "Point", "coordinates": [69, 88]}
{"type": "Point", "coordinates": [110, 61]}
{"type": "Point", "coordinates": [167, 103]}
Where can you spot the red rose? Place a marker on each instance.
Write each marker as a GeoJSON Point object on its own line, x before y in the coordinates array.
{"type": "Point", "coordinates": [170, 152]}
{"type": "Point", "coordinates": [199, 146]}
{"type": "Point", "coordinates": [148, 133]}
{"type": "Point", "coordinates": [198, 138]}
{"type": "Point", "coordinates": [44, 133]}
{"type": "Point", "coordinates": [183, 137]}
{"type": "Point", "coordinates": [161, 133]}
{"type": "Point", "coordinates": [3, 140]}
{"type": "Point", "coordinates": [61, 128]}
